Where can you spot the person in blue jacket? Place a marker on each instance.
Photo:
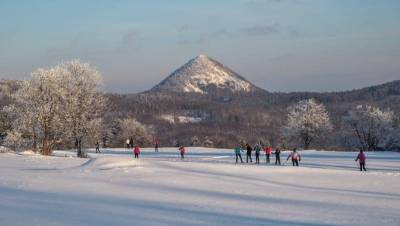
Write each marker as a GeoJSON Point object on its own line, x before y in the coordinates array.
{"type": "Point", "coordinates": [238, 150]}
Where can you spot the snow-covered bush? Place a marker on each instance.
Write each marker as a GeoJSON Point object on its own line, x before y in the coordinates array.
{"type": "Point", "coordinates": [133, 129]}
{"type": "Point", "coordinates": [195, 141]}
{"type": "Point", "coordinates": [14, 140]}
{"type": "Point", "coordinates": [208, 142]}
{"type": "Point", "coordinates": [371, 127]}
{"type": "Point", "coordinates": [307, 122]}
{"type": "Point", "coordinates": [4, 149]}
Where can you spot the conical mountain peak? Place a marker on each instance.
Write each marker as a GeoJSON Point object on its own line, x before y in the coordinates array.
{"type": "Point", "coordinates": [202, 57]}
{"type": "Point", "coordinates": [202, 74]}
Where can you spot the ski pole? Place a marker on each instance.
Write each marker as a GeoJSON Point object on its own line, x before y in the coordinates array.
{"type": "Point", "coordinates": [285, 162]}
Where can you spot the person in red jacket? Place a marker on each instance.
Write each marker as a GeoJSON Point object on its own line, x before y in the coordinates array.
{"type": "Point", "coordinates": [136, 151]}
{"type": "Point", "coordinates": [296, 158]}
{"type": "Point", "coordinates": [361, 159]}
{"type": "Point", "coordinates": [182, 151]}
{"type": "Point", "coordinates": [268, 151]}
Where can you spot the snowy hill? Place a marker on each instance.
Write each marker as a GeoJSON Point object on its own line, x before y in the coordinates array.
{"type": "Point", "coordinates": [202, 74]}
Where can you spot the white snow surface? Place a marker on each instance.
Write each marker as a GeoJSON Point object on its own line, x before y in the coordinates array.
{"type": "Point", "coordinates": [207, 188]}
{"type": "Point", "coordinates": [200, 73]}
{"type": "Point", "coordinates": [181, 119]}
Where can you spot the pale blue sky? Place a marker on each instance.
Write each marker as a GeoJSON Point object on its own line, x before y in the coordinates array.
{"type": "Point", "coordinates": [279, 45]}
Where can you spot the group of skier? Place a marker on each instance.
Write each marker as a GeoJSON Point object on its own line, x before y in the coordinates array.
{"type": "Point", "coordinates": [136, 150]}
{"type": "Point", "coordinates": [294, 155]}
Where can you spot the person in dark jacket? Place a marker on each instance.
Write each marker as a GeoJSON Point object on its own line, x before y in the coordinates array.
{"type": "Point", "coordinates": [257, 150]}
{"type": "Point", "coordinates": [131, 142]}
{"type": "Point", "coordinates": [361, 158]}
{"type": "Point", "coordinates": [248, 153]}
{"type": "Point", "coordinates": [296, 158]}
{"type": "Point", "coordinates": [278, 156]}
{"type": "Point", "coordinates": [97, 147]}
{"type": "Point", "coordinates": [237, 150]}
{"type": "Point", "coordinates": [156, 145]}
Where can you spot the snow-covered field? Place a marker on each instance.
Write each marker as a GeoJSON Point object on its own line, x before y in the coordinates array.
{"type": "Point", "coordinates": [207, 188]}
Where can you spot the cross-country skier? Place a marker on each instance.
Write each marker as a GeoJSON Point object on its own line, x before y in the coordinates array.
{"type": "Point", "coordinates": [136, 151]}
{"type": "Point", "coordinates": [248, 153]}
{"type": "Point", "coordinates": [257, 150]}
{"type": "Point", "coordinates": [296, 158]}
{"type": "Point", "coordinates": [237, 150]}
{"type": "Point", "coordinates": [156, 145]}
{"type": "Point", "coordinates": [361, 160]}
{"type": "Point", "coordinates": [131, 142]}
{"type": "Point", "coordinates": [278, 156]}
{"type": "Point", "coordinates": [268, 151]}
{"type": "Point", "coordinates": [182, 151]}
{"type": "Point", "coordinates": [97, 147]}
{"type": "Point", "coordinates": [127, 143]}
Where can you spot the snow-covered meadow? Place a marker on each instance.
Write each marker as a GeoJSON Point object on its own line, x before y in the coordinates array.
{"type": "Point", "coordinates": [207, 188]}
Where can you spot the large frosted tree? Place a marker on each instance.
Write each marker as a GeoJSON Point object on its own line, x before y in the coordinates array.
{"type": "Point", "coordinates": [58, 105]}
{"type": "Point", "coordinates": [307, 122]}
{"type": "Point", "coordinates": [371, 126]}
{"type": "Point", "coordinates": [82, 102]}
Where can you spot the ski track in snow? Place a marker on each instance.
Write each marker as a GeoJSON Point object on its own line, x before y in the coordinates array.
{"type": "Point", "coordinates": [207, 188]}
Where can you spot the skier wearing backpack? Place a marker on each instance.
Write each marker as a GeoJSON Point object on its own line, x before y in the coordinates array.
{"type": "Point", "coordinates": [257, 150]}
{"type": "Point", "coordinates": [278, 156]}
{"type": "Point", "coordinates": [361, 160]}
{"type": "Point", "coordinates": [237, 150]}
{"type": "Point", "coordinates": [268, 151]}
{"type": "Point", "coordinates": [182, 151]}
{"type": "Point", "coordinates": [296, 158]}
{"type": "Point", "coordinates": [136, 151]}
{"type": "Point", "coordinates": [248, 153]}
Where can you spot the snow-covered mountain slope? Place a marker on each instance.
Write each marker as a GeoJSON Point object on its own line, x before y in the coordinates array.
{"type": "Point", "coordinates": [202, 74]}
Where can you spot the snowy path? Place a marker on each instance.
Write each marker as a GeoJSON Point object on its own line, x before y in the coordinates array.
{"type": "Point", "coordinates": [205, 189]}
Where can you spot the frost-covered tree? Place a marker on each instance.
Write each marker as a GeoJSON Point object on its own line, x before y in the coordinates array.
{"type": "Point", "coordinates": [14, 140]}
{"type": "Point", "coordinates": [82, 102]}
{"type": "Point", "coordinates": [208, 142]}
{"type": "Point", "coordinates": [370, 126]}
{"type": "Point", "coordinates": [37, 112]}
{"type": "Point", "coordinates": [195, 141]}
{"type": "Point", "coordinates": [307, 122]}
{"type": "Point", "coordinates": [23, 126]}
{"type": "Point", "coordinates": [133, 129]}
{"type": "Point", "coordinates": [56, 105]}
{"type": "Point", "coordinates": [5, 125]}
